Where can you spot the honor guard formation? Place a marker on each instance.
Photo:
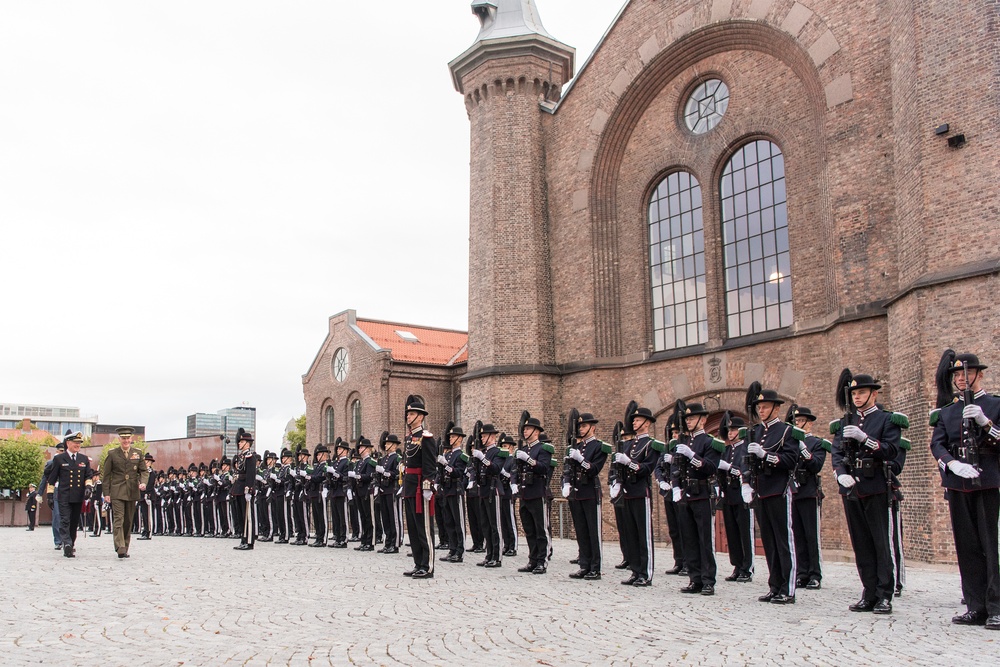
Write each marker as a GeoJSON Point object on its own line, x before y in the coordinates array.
{"type": "Point", "coordinates": [762, 469]}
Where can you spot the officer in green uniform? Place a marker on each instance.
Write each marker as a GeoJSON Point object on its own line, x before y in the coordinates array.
{"type": "Point", "coordinates": [124, 474]}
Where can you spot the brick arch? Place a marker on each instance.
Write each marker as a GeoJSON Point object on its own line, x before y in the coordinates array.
{"type": "Point", "coordinates": [619, 125]}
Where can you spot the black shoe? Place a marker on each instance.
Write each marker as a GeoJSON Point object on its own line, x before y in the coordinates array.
{"type": "Point", "coordinates": [970, 618]}
{"type": "Point", "coordinates": [882, 607]}
{"type": "Point", "coordinates": [863, 605]}
{"type": "Point", "coordinates": [676, 569]}
{"type": "Point", "coordinates": [354, 538]}
{"type": "Point", "coordinates": [265, 539]}
{"type": "Point", "coordinates": [445, 559]}
{"type": "Point", "coordinates": [579, 574]}
{"type": "Point", "coordinates": [423, 574]}
{"type": "Point", "coordinates": [642, 581]}
{"type": "Point", "coordinates": [123, 555]}
{"type": "Point", "coordinates": [813, 585]}
{"type": "Point", "coordinates": [299, 543]}
{"type": "Point", "coordinates": [392, 550]}
{"type": "Point", "coordinates": [621, 566]}
{"type": "Point", "coordinates": [592, 576]}
{"type": "Point", "coordinates": [482, 563]}
{"type": "Point", "coordinates": [708, 589]}
{"type": "Point", "coordinates": [366, 547]}
{"type": "Point", "coordinates": [494, 563]}
{"type": "Point", "coordinates": [442, 547]}
{"type": "Point", "coordinates": [692, 588]}
{"type": "Point", "coordinates": [360, 547]}
{"type": "Point", "coordinates": [477, 550]}
{"type": "Point", "coordinates": [409, 573]}
{"type": "Point", "coordinates": [733, 577]}
{"type": "Point", "coordinates": [510, 553]}
{"type": "Point", "coordinates": [530, 567]}
{"type": "Point", "coordinates": [141, 537]}
{"type": "Point", "coordinates": [683, 572]}
{"type": "Point", "coordinates": [29, 529]}
{"type": "Point", "coordinates": [781, 598]}
{"type": "Point", "coordinates": [340, 545]}
{"type": "Point", "coordinates": [767, 597]}
{"type": "Point", "coordinates": [575, 561]}
{"type": "Point", "coordinates": [378, 540]}
{"type": "Point", "coordinates": [281, 541]}
{"type": "Point", "coordinates": [631, 580]}
{"type": "Point", "coordinates": [899, 591]}
{"type": "Point", "coordinates": [744, 578]}
{"type": "Point", "coordinates": [456, 559]}
{"type": "Point", "coordinates": [59, 546]}
{"type": "Point", "coordinates": [243, 546]}
{"type": "Point", "coordinates": [68, 552]}
{"type": "Point", "coordinates": [993, 622]}
{"type": "Point", "coordinates": [539, 570]}
{"type": "Point", "coordinates": [317, 544]}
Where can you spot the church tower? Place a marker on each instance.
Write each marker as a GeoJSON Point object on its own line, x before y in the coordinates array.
{"type": "Point", "coordinates": [508, 76]}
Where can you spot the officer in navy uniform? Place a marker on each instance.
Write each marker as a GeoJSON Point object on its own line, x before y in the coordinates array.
{"type": "Point", "coordinates": [637, 462]}
{"type": "Point", "coordinates": [581, 484]}
{"type": "Point", "coordinates": [532, 480]}
{"type": "Point", "coordinates": [807, 500]}
{"type": "Point", "coordinates": [317, 492]}
{"type": "Point", "coordinates": [736, 514]}
{"type": "Point", "coordinates": [693, 471]}
{"type": "Point", "coordinates": [337, 479]}
{"type": "Point", "coordinates": [364, 473]}
{"type": "Point", "coordinates": [419, 471]}
{"type": "Point", "coordinates": [508, 521]}
{"type": "Point", "coordinates": [72, 473]}
{"type": "Point", "coordinates": [244, 488]}
{"type": "Point", "coordinates": [31, 506]}
{"type": "Point", "coordinates": [388, 502]}
{"type": "Point", "coordinates": [861, 447]}
{"type": "Point", "coordinates": [453, 462]}
{"type": "Point", "coordinates": [491, 459]}
{"type": "Point", "coordinates": [49, 494]}
{"type": "Point", "coordinates": [772, 448]}
{"type": "Point", "coordinates": [661, 473]}
{"type": "Point", "coordinates": [965, 443]}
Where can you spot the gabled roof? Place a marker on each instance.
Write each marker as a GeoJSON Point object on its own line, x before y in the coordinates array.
{"type": "Point", "coordinates": [423, 345]}
{"type": "Point", "coordinates": [35, 435]}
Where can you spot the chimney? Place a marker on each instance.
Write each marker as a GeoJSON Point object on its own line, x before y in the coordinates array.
{"type": "Point", "coordinates": [26, 426]}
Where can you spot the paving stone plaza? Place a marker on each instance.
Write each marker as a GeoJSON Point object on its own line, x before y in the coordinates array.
{"type": "Point", "coordinates": [190, 601]}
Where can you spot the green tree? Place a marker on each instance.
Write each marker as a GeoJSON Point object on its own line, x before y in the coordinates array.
{"type": "Point", "coordinates": [21, 463]}
{"type": "Point", "coordinates": [139, 445]}
{"type": "Point", "coordinates": [297, 436]}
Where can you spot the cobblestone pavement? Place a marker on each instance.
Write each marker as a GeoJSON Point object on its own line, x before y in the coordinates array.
{"type": "Point", "coordinates": [189, 601]}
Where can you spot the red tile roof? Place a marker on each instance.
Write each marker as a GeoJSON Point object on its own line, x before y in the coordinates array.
{"type": "Point", "coordinates": [35, 435]}
{"type": "Point", "coordinates": [441, 347]}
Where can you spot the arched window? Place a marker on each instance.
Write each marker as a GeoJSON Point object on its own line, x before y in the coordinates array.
{"type": "Point", "coordinates": [356, 417]}
{"type": "Point", "coordinates": [329, 425]}
{"type": "Point", "coordinates": [755, 240]}
{"type": "Point", "coordinates": [677, 263]}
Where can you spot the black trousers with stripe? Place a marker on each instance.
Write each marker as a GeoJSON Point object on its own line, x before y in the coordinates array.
{"type": "Point", "coordinates": [454, 531]}
{"type": "Point", "coordinates": [697, 525]}
{"type": "Point", "coordinates": [974, 524]}
{"type": "Point", "coordinates": [739, 536]}
{"type": "Point", "coordinates": [535, 530]}
{"type": "Point", "coordinates": [339, 519]}
{"type": "Point", "coordinates": [674, 530]}
{"type": "Point", "coordinates": [587, 524]}
{"type": "Point", "coordinates": [868, 525]}
{"type": "Point", "coordinates": [417, 529]}
{"type": "Point", "coordinates": [775, 518]}
{"type": "Point", "coordinates": [392, 520]}
{"type": "Point", "coordinates": [805, 524]}
{"type": "Point", "coordinates": [508, 524]}
{"type": "Point", "coordinates": [491, 530]}
{"type": "Point", "coordinates": [638, 536]}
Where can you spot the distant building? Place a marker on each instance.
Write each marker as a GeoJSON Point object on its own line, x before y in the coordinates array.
{"type": "Point", "coordinates": [224, 422]}
{"type": "Point", "coordinates": [55, 419]}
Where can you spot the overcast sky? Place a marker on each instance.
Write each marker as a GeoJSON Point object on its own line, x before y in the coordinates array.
{"type": "Point", "coordinates": [189, 189]}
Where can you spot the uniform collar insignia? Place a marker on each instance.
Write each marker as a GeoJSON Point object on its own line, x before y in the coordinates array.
{"type": "Point", "coordinates": [869, 410]}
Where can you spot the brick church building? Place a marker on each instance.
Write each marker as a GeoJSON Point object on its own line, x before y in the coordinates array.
{"type": "Point", "coordinates": [728, 191]}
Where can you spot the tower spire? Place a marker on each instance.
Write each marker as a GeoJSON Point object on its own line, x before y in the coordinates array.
{"type": "Point", "coordinates": [508, 18]}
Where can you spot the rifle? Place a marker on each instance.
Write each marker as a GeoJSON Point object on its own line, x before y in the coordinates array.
{"type": "Point", "coordinates": [793, 476]}
{"type": "Point", "coordinates": [969, 440]}
{"type": "Point", "coordinates": [443, 479]}
{"type": "Point", "coordinates": [850, 447]}
{"type": "Point", "coordinates": [683, 435]}
{"type": "Point", "coordinates": [754, 465]}
{"type": "Point", "coordinates": [969, 449]}
{"type": "Point", "coordinates": [572, 434]}
{"type": "Point", "coordinates": [623, 472]}
{"type": "Point", "coordinates": [523, 474]}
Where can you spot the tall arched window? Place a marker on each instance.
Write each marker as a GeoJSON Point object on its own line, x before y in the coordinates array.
{"type": "Point", "coordinates": [356, 418]}
{"type": "Point", "coordinates": [329, 425]}
{"type": "Point", "coordinates": [755, 240]}
{"type": "Point", "coordinates": [677, 263]}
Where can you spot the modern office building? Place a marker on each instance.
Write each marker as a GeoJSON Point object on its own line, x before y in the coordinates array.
{"type": "Point", "coordinates": [55, 419]}
{"type": "Point", "coordinates": [224, 422]}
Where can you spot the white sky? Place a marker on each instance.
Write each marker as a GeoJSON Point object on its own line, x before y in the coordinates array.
{"type": "Point", "coordinates": [189, 189]}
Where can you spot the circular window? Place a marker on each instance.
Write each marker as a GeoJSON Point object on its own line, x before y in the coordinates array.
{"type": "Point", "coordinates": [341, 364]}
{"type": "Point", "coordinates": [706, 106]}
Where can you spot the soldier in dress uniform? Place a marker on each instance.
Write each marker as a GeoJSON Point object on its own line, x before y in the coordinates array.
{"type": "Point", "coordinates": [338, 478]}
{"type": "Point", "coordinates": [270, 508]}
{"type": "Point", "coordinates": [72, 475]}
{"type": "Point", "coordinates": [662, 475]}
{"type": "Point", "coordinates": [388, 502]}
{"type": "Point", "coordinates": [145, 512]}
{"type": "Point", "coordinates": [895, 471]}
{"type": "Point", "coordinates": [807, 500]}
{"type": "Point", "coordinates": [508, 490]}
{"type": "Point", "coordinates": [736, 514]}
{"type": "Point", "coordinates": [635, 470]}
{"type": "Point", "coordinates": [772, 450]}
{"type": "Point", "coordinates": [581, 485]}
{"type": "Point", "coordinates": [317, 493]}
{"type": "Point", "coordinates": [280, 504]}
{"type": "Point", "coordinates": [124, 475]}
{"type": "Point", "coordinates": [865, 439]}
{"type": "Point", "coordinates": [473, 506]}
{"type": "Point", "coordinates": [244, 488]}
{"type": "Point", "coordinates": [300, 496]}
{"type": "Point", "coordinates": [229, 529]}
{"type": "Point", "coordinates": [419, 469]}
{"type": "Point", "coordinates": [965, 444]}
{"type": "Point", "coordinates": [491, 459]}
{"type": "Point", "coordinates": [31, 506]}
{"type": "Point", "coordinates": [453, 462]}
{"type": "Point", "coordinates": [532, 477]}
{"type": "Point", "coordinates": [263, 498]}
{"type": "Point", "coordinates": [364, 473]}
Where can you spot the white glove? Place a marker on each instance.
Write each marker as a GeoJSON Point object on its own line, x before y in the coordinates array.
{"type": "Point", "coordinates": [676, 495]}
{"type": "Point", "coordinates": [274, 477]}
{"type": "Point", "coordinates": [747, 492]}
{"type": "Point", "coordinates": [326, 492]}
{"type": "Point", "coordinates": [440, 459]}
{"type": "Point", "coordinates": [975, 412]}
{"type": "Point", "coordinates": [964, 470]}
{"type": "Point", "coordinates": [755, 449]}
{"type": "Point", "coordinates": [247, 496]}
{"type": "Point", "coordinates": [615, 490]}
{"type": "Point", "coordinates": [514, 488]}
{"type": "Point", "coordinates": [565, 490]}
{"type": "Point", "coordinates": [664, 485]}
{"type": "Point", "coordinates": [846, 481]}
{"type": "Point", "coordinates": [375, 492]}
{"type": "Point", "coordinates": [521, 455]}
{"type": "Point", "coordinates": [382, 468]}
{"type": "Point", "coordinates": [352, 474]}
{"type": "Point", "coordinates": [622, 458]}
{"type": "Point", "coordinates": [852, 432]}
{"type": "Point", "coordinates": [478, 454]}
{"type": "Point", "coordinates": [804, 451]}
{"type": "Point", "coordinates": [350, 495]}
{"type": "Point", "coordinates": [336, 475]}
{"type": "Point", "coordinates": [505, 474]}
{"type": "Point", "coordinates": [470, 484]}
{"type": "Point", "coordinates": [669, 458]}
{"type": "Point", "coordinates": [427, 494]}
{"type": "Point", "coordinates": [723, 466]}
{"type": "Point", "coordinates": [684, 450]}
{"type": "Point", "coordinates": [576, 455]}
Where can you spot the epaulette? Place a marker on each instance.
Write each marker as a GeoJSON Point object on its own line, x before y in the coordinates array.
{"type": "Point", "coordinates": [742, 433]}
{"type": "Point", "coordinates": [605, 447]}
{"type": "Point", "coordinates": [934, 416]}
{"type": "Point", "coordinates": [798, 433]}
{"type": "Point", "coordinates": [899, 419]}
{"type": "Point", "coordinates": [426, 434]}
{"type": "Point", "coordinates": [502, 454]}
{"type": "Point", "coordinates": [672, 445]}
{"type": "Point", "coordinates": [464, 457]}
{"type": "Point", "coordinates": [834, 426]}
{"type": "Point", "coordinates": [553, 463]}
{"type": "Point", "coordinates": [905, 444]}
{"type": "Point", "coordinates": [718, 445]}
{"type": "Point", "coordinates": [549, 448]}
{"type": "Point", "coordinates": [372, 462]}
{"type": "Point", "coordinates": [657, 445]}
{"type": "Point", "coordinates": [827, 445]}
